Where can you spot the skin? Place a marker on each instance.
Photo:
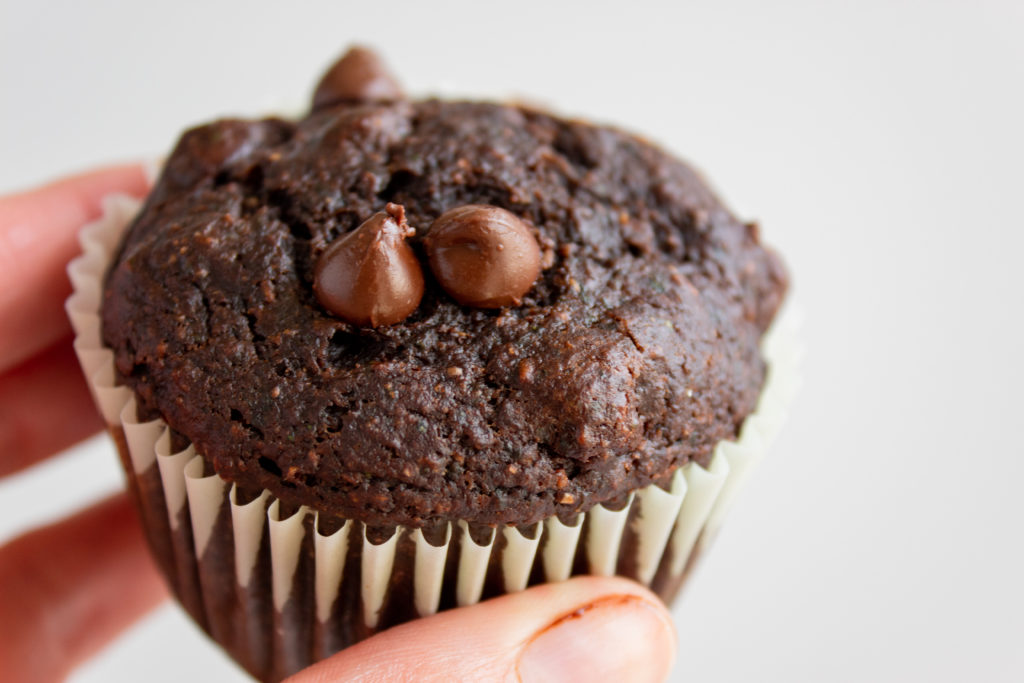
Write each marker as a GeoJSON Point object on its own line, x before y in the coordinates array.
{"type": "Point", "coordinates": [71, 587]}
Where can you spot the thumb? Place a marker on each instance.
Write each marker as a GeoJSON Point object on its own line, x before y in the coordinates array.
{"type": "Point", "coordinates": [585, 629]}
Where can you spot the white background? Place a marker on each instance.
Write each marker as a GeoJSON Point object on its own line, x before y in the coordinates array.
{"type": "Point", "coordinates": [881, 146]}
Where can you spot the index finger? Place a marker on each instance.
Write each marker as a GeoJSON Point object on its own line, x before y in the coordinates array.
{"type": "Point", "coordinates": [38, 236]}
{"type": "Point", "coordinates": [71, 587]}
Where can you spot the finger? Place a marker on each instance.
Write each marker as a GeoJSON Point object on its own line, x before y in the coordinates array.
{"type": "Point", "coordinates": [585, 629]}
{"type": "Point", "coordinates": [38, 232]}
{"type": "Point", "coordinates": [71, 587]}
{"type": "Point", "coordinates": [46, 407]}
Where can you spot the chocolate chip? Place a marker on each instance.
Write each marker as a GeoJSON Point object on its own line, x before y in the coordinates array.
{"type": "Point", "coordinates": [370, 276]}
{"type": "Point", "coordinates": [483, 256]}
{"type": "Point", "coordinates": [359, 76]}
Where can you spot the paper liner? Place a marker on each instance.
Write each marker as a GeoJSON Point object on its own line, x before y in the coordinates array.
{"type": "Point", "coordinates": [278, 592]}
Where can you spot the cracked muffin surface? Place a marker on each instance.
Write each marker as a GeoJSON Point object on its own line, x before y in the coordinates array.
{"type": "Point", "coordinates": [635, 351]}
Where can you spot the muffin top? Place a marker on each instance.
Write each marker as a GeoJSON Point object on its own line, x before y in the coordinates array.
{"type": "Point", "coordinates": [633, 351]}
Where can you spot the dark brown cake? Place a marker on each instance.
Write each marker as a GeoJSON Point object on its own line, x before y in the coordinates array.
{"type": "Point", "coordinates": [635, 351]}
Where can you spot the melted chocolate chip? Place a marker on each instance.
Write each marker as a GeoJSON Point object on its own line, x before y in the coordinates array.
{"type": "Point", "coordinates": [370, 276]}
{"type": "Point", "coordinates": [483, 256]}
{"type": "Point", "coordinates": [359, 76]}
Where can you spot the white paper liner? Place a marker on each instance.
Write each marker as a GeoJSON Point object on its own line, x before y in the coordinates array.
{"type": "Point", "coordinates": [429, 571]}
{"type": "Point", "coordinates": [247, 522]}
{"type": "Point", "coordinates": [667, 525]}
{"type": "Point", "coordinates": [473, 559]}
{"type": "Point", "coordinates": [378, 560]}
{"type": "Point", "coordinates": [517, 559]}
{"type": "Point", "coordinates": [604, 536]}
{"type": "Point", "coordinates": [330, 566]}
{"type": "Point", "coordinates": [561, 548]}
{"type": "Point", "coordinates": [205, 495]}
{"type": "Point", "coordinates": [285, 541]}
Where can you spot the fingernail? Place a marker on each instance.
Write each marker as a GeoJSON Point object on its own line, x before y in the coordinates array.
{"type": "Point", "coordinates": [624, 638]}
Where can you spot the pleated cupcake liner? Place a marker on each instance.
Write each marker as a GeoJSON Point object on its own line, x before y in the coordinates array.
{"type": "Point", "coordinates": [281, 588]}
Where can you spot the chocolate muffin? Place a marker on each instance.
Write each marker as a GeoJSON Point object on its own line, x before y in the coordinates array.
{"type": "Point", "coordinates": [439, 315]}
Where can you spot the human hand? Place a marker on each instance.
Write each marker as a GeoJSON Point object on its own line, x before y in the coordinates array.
{"type": "Point", "coordinates": [67, 589]}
